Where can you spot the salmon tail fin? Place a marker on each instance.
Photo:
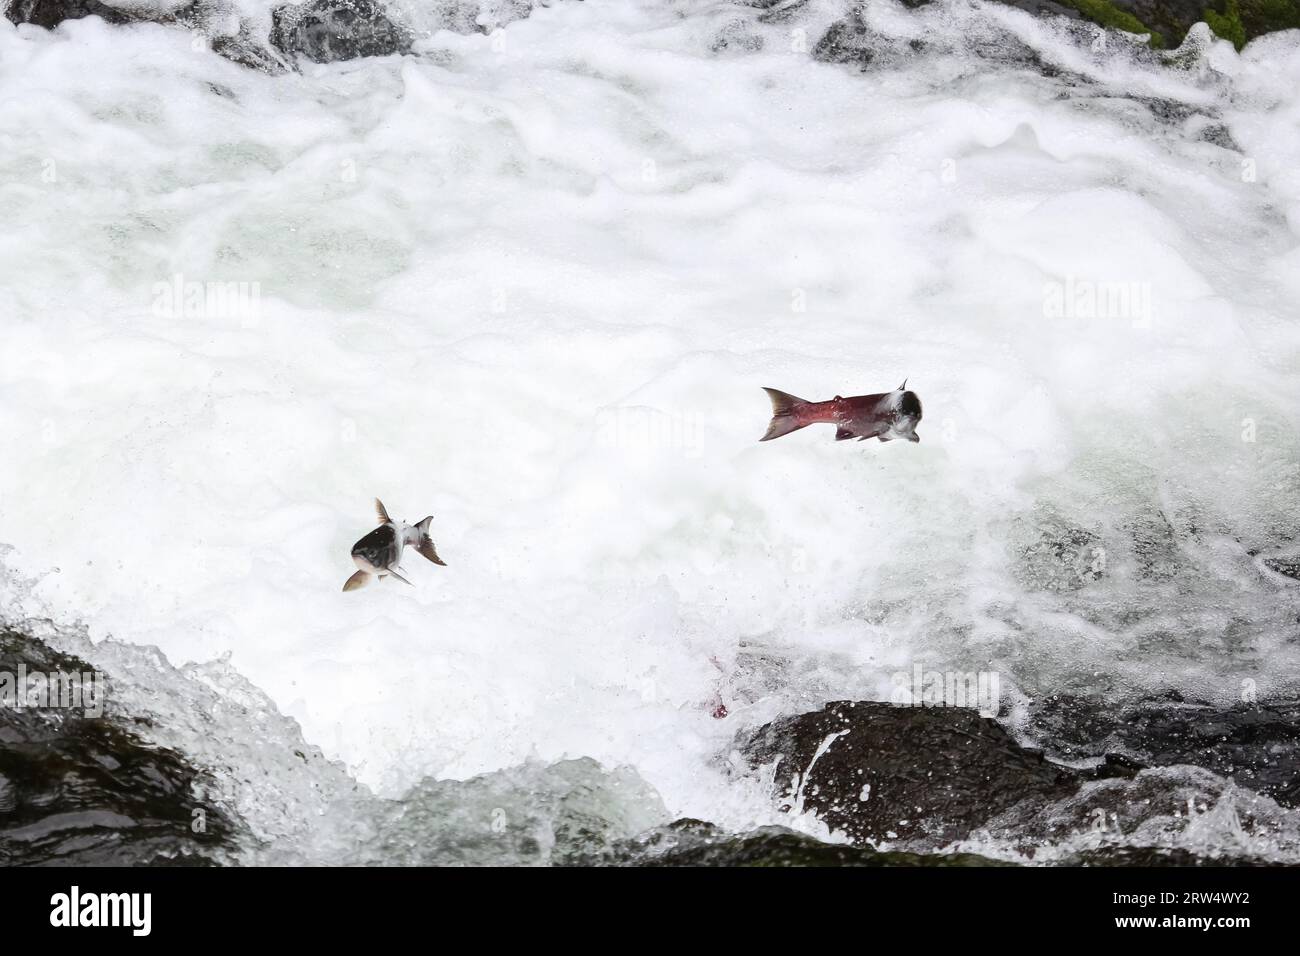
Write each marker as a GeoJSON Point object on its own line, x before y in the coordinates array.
{"type": "Point", "coordinates": [785, 418]}
{"type": "Point", "coordinates": [425, 547]}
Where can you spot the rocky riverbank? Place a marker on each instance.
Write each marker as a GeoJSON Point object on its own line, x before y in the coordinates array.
{"type": "Point", "coordinates": [324, 31]}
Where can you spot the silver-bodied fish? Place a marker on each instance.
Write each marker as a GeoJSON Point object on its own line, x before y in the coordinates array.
{"type": "Point", "coordinates": [380, 552]}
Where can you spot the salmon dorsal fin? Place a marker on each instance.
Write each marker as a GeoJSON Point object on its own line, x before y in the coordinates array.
{"type": "Point", "coordinates": [383, 515]}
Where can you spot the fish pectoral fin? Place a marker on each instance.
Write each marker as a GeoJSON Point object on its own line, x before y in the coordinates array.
{"type": "Point", "coordinates": [426, 548]}
{"type": "Point", "coordinates": [885, 436]}
{"type": "Point", "coordinates": [399, 577]}
{"type": "Point", "coordinates": [381, 512]}
{"type": "Point", "coordinates": [358, 580]}
{"type": "Point", "coordinates": [843, 434]}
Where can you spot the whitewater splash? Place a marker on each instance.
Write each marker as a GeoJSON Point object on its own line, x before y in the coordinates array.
{"type": "Point", "coordinates": [532, 282]}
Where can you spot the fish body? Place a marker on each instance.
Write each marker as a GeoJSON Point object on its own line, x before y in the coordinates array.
{"type": "Point", "coordinates": [885, 416]}
{"type": "Point", "coordinates": [379, 553]}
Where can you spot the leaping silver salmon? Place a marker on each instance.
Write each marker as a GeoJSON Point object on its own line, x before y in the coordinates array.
{"type": "Point", "coordinates": [380, 552]}
{"type": "Point", "coordinates": [886, 416]}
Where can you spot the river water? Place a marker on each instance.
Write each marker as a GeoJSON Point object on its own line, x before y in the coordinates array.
{"type": "Point", "coordinates": [530, 283]}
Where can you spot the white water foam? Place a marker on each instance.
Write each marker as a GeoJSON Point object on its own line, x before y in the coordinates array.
{"type": "Point", "coordinates": [531, 284]}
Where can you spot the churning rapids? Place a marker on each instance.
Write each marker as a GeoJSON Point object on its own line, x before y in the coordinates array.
{"type": "Point", "coordinates": [531, 283]}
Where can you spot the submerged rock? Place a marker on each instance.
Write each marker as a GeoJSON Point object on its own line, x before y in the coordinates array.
{"type": "Point", "coordinates": [246, 50]}
{"type": "Point", "coordinates": [82, 790]}
{"type": "Point", "coordinates": [325, 31]}
{"type": "Point", "coordinates": [240, 46]}
{"type": "Point", "coordinates": [535, 814]}
{"type": "Point", "coordinates": [887, 772]}
{"type": "Point", "coordinates": [1187, 811]}
{"type": "Point", "coordinates": [1158, 856]}
{"type": "Point", "coordinates": [1256, 745]}
{"type": "Point", "coordinates": [696, 843]}
{"type": "Point", "coordinates": [852, 40]}
{"type": "Point", "coordinates": [1053, 554]}
{"type": "Point", "coordinates": [1287, 567]}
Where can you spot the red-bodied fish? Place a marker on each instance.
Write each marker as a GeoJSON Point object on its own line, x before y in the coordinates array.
{"type": "Point", "coordinates": [886, 416]}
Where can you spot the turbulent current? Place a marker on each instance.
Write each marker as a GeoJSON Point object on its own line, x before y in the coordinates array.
{"type": "Point", "coordinates": [530, 282]}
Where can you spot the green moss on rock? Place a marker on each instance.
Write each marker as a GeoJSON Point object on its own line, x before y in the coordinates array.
{"type": "Point", "coordinates": [1167, 21]}
{"type": "Point", "coordinates": [1228, 24]}
{"type": "Point", "coordinates": [1265, 16]}
{"type": "Point", "coordinates": [1106, 14]}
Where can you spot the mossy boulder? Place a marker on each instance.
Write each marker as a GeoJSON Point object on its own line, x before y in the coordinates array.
{"type": "Point", "coordinates": [1167, 21]}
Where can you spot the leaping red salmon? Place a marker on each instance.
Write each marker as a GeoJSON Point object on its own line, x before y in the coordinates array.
{"type": "Point", "coordinates": [886, 416]}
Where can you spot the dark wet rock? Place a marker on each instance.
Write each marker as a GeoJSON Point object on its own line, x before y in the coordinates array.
{"type": "Point", "coordinates": [1167, 12]}
{"type": "Point", "coordinates": [696, 843]}
{"type": "Point", "coordinates": [1172, 808]}
{"type": "Point", "coordinates": [1218, 135]}
{"type": "Point", "coordinates": [848, 41]}
{"type": "Point", "coordinates": [922, 778]}
{"type": "Point", "coordinates": [1001, 47]}
{"type": "Point", "coordinates": [1157, 856]}
{"type": "Point", "coordinates": [246, 50]}
{"type": "Point", "coordinates": [1167, 111]}
{"type": "Point", "coordinates": [241, 47]}
{"type": "Point", "coordinates": [1288, 567]}
{"type": "Point", "coordinates": [776, 11]}
{"type": "Point", "coordinates": [1171, 19]}
{"type": "Point", "coordinates": [325, 31]}
{"type": "Point", "coordinates": [886, 772]}
{"type": "Point", "coordinates": [50, 13]}
{"type": "Point", "coordinates": [1166, 22]}
{"type": "Point", "coordinates": [322, 31]}
{"type": "Point", "coordinates": [852, 40]}
{"type": "Point", "coordinates": [82, 790]}
{"type": "Point", "coordinates": [1256, 745]}
{"type": "Point", "coordinates": [1262, 16]}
